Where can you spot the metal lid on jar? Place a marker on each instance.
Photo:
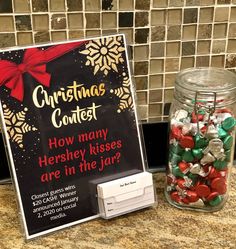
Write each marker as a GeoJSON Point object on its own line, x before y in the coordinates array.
{"type": "Point", "coordinates": [210, 79]}
{"type": "Point", "coordinates": [218, 81]}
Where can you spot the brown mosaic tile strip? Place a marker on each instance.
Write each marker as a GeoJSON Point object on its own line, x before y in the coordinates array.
{"type": "Point", "coordinates": [164, 36]}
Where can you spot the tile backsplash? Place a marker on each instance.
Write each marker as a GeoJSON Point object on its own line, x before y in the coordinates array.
{"type": "Point", "coordinates": [165, 36]}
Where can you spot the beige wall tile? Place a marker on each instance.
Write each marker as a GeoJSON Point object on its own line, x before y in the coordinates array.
{"type": "Point", "coordinates": [233, 14]}
{"type": "Point", "coordinates": [92, 5]}
{"type": "Point", "coordinates": [155, 96]}
{"type": "Point", "coordinates": [170, 79]}
{"type": "Point", "coordinates": [141, 53]}
{"type": "Point", "coordinates": [174, 16]}
{"type": "Point", "coordinates": [141, 83]}
{"type": "Point", "coordinates": [40, 22]}
{"type": "Point", "coordinates": [218, 46]}
{"type": "Point", "coordinates": [172, 49]}
{"type": "Point", "coordinates": [142, 98]}
{"type": "Point", "coordinates": [109, 20]}
{"type": "Point", "coordinates": [75, 20]}
{"type": "Point", "coordinates": [187, 62]}
{"type": "Point", "coordinates": [168, 96]}
{"type": "Point", "coordinates": [206, 15]}
{"type": "Point", "coordinates": [203, 47]}
{"type": "Point", "coordinates": [189, 32]}
{"type": "Point", "coordinates": [24, 38]}
{"type": "Point", "coordinates": [158, 17]}
{"type": "Point", "coordinates": [156, 66]}
{"type": "Point", "coordinates": [160, 3]}
{"type": "Point", "coordinates": [220, 30]}
{"type": "Point", "coordinates": [126, 4]}
{"type": "Point", "coordinates": [59, 36]}
{"type": "Point", "coordinates": [57, 5]}
{"type": "Point", "coordinates": [172, 64]}
{"type": "Point", "coordinates": [158, 49]}
{"type": "Point", "coordinates": [21, 6]}
{"type": "Point", "coordinates": [156, 81]}
{"type": "Point", "coordinates": [155, 110]}
{"type": "Point", "coordinates": [218, 61]}
{"type": "Point", "coordinates": [221, 14]}
{"type": "Point", "coordinates": [231, 46]}
{"type": "Point", "coordinates": [142, 111]}
{"type": "Point", "coordinates": [6, 24]}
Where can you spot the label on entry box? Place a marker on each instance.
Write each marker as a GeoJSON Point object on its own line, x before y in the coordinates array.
{"type": "Point", "coordinates": [125, 195]}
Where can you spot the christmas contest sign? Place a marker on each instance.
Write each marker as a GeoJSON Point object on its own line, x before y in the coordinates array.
{"type": "Point", "coordinates": [68, 119]}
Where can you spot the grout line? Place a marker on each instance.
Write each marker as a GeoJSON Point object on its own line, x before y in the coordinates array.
{"type": "Point", "coordinates": [67, 20]}
{"type": "Point", "coordinates": [227, 35]}
{"type": "Point", "coordinates": [149, 57]}
{"type": "Point", "coordinates": [14, 22]}
{"type": "Point", "coordinates": [32, 22]}
{"type": "Point", "coordinates": [212, 35]}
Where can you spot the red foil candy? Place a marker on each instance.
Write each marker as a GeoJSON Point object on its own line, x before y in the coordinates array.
{"type": "Point", "coordinates": [214, 173]}
{"type": "Point", "coordinates": [185, 200]}
{"type": "Point", "coordinates": [186, 142]}
{"type": "Point", "coordinates": [175, 197]}
{"type": "Point", "coordinates": [192, 196]}
{"type": "Point", "coordinates": [199, 116]}
{"type": "Point", "coordinates": [176, 133]}
{"type": "Point", "coordinates": [183, 166]}
{"type": "Point", "coordinates": [212, 195]}
{"type": "Point", "coordinates": [219, 185]}
{"type": "Point", "coordinates": [181, 183]}
{"type": "Point", "coordinates": [203, 190]}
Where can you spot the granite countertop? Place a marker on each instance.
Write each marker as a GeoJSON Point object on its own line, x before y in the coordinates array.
{"type": "Point", "coordinates": [160, 227]}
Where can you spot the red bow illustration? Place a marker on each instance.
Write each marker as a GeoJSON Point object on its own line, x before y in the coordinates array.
{"type": "Point", "coordinates": [11, 74]}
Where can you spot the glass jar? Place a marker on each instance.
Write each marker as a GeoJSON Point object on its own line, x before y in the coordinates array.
{"type": "Point", "coordinates": [201, 139]}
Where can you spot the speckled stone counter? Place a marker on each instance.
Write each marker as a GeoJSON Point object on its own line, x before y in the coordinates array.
{"type": "Point", "coordinates": [161, 227]}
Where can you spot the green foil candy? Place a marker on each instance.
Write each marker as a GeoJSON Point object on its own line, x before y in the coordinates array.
{"type": "Point", "coordinates": [176, 149]}
{"type": "Point", "coordinates": [229, 123]}
{"type": "Point", "coordinates": [175, 159]}
{"type": "Point", "coordinates": [216, 201]}
{"type": "Point", "coordinates": [228, 155]}
{"type": "Point", "coordinates": [200, 141]}
{"type": "Point", "coordinates": [222, 133]}
{"type": "Point", "coordinates": [177, 172]}
{"type": "Point", "coordinates": [220, 165]}
{"type": "Point", "coordinates": [197, 153]}
{"type": "Point", "coordinates": [188, 156]}
{"type": "Point", "coordinates": [228, 142]}
{"type": "Point", "coordinates": [192, 176]}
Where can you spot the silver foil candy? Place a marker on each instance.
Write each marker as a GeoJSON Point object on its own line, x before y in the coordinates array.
{"type": "Point", "coordinates": [195, 168]}
{"type": "Point", "coordinates": [207, 158]}
{"type": "Point", "coordinates": [198, 203]}
{"type": "Point", "coordinates": [181, 114]}
{"type": "Point", "coordinates": [211, 132]}
{"type": "Point", "coordinates": [187, 128]}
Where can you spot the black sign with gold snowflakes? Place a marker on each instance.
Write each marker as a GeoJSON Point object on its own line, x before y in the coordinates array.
{"type": "Point", "coordinates": [68, 119]}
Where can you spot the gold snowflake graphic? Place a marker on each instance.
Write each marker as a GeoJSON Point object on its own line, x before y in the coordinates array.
{"type": "Point", "coordinates": [104, 54]}
{"type": "Point", "coordinates": [16, 125]}
{"type": "Point", "coordinates": [124, 95]}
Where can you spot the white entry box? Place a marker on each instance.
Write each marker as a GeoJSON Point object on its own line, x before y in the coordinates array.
{"type": "Point", "coordinates": [125, 195]}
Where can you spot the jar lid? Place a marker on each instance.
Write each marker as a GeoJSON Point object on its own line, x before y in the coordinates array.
{"type": "Point", "coordinates": [210, 79]}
